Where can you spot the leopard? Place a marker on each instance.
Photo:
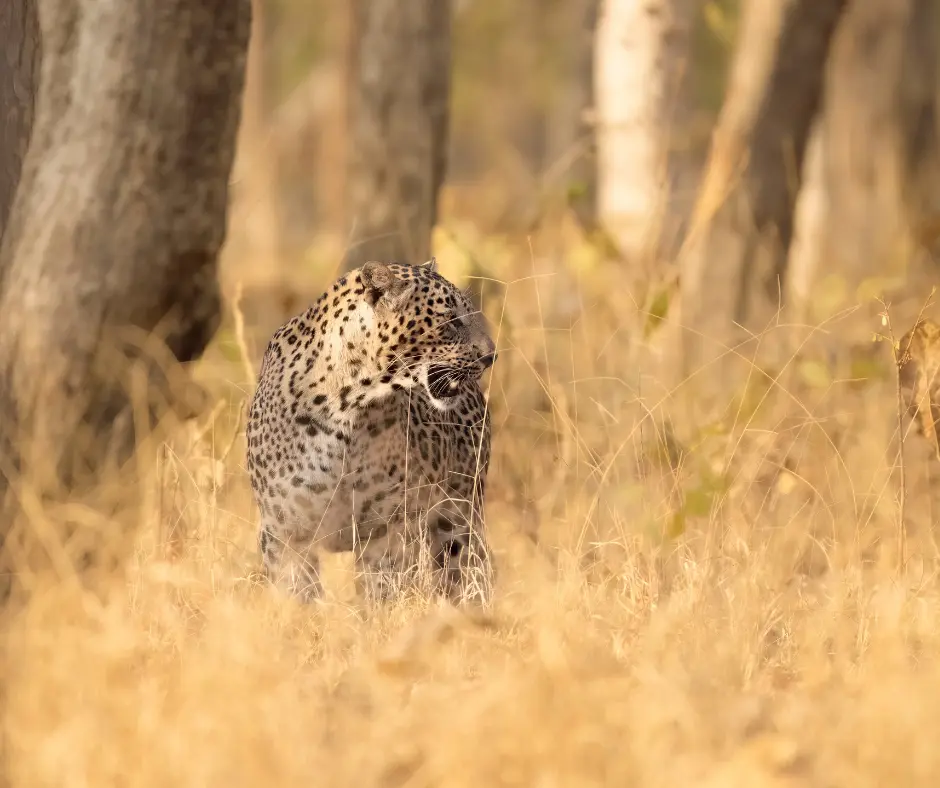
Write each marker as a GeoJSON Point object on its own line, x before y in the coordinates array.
{"type": "Point", "coordinates": [369, 432]}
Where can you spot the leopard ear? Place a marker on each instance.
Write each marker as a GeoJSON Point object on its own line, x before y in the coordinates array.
{"type": "Point", "coordinates": [430, 265]}
{"type": "Point", "coordinates": [385, 289]}
{"type": "Point", "coordinates": [376, 275]}
{"type": "Point", "coordinates": [397, 296]}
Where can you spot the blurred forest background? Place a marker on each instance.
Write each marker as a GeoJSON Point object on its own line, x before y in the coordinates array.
{"type": "Point", "coordinates": [521, 140]}
{"type": "Point", "coordinates": [692, 224]}
{"type": "Point", "coordinates": [521, 109]}
{"type": "Point", "coordinates": [593, 127]}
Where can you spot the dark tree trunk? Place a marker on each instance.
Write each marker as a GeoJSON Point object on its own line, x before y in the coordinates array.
{"type": "Point", "coordinates": [880, 137]}
{"type": "Point", "coordinates": [398, 101]}
{"type": "Point", "coordinates": [735, 257]}
{"type": "Point", "coordinates": [919, 119]}
{"type": "Point", "coordinates": [110, 254]}
{"type": "Point", "coordinates": [19, 75]}
{"type": "Point", "coordinates": [920, 123]}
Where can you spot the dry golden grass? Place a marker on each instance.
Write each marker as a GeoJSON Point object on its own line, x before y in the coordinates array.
{"type": "Point", "coordinates": [727, 615]}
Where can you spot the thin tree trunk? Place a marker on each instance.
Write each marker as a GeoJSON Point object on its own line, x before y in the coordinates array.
{"type": "Point", "coordinates": [19, 76]}
{"type": "Point", "coordinates": [810, 216]}
{"type": "Point", "coordinates": [641, 60]}
{"type": "Point", "coordinates": [117, 224]}
{"type": "Point", "coordinates": [398, 126]}
{"type": "Point", "coordinates": [734, 262]}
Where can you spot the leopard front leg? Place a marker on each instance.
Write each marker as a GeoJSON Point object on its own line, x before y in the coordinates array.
{"type": "Point", "coordinates": [297, 524]}
{"type": "Point", "coordinates": [387, 563]}
{"type": "Point", "coordinates": [291, 567]}
{"type": "Point", "coordinates": [461, 552]}
{"type": "Point", "coordinates": [443, 553]}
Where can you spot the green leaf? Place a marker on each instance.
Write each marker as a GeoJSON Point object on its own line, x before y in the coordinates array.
{"type": "Point", "coordinates": [659, 308]}
{"type": "Point", "coordinates": [718, 21]}
{"type": "Point", "coordinates": [676, 525]}
{"type": "Point", "coordinates": [866, 369]}
{"type": "Point", "coordinates": [829, 296]}
{"type": "Point", "coordinates": [698, 502]}
{"type": "Point", "coordinates": [815, 374]}
{"type": "Point", "coordinates": [577, 190]}
{"type": "Point", "coordinates": [874, 287]}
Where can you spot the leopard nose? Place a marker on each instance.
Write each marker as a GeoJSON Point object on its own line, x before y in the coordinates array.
{"type": "Point", "coordinates": [488, 360]}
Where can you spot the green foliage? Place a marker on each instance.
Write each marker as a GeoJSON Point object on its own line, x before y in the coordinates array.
{"type": "Point", "coordinates": [576, 190]}
{"type": "Point", "coordinates": [228, 346]}
{"type": "Point", "coordinates": [829, 295]}
{"type": "Point", "coordinates": [713, 40]}
{"type": "Point", "coordinates": [754, 398]}
{"type": "Point", "coordinates": [867, 369]}
{"type": "Point", "coordinates": [814, 373]}
{"type": "Point", "coordinates": [528, 39]}
{"type": "Point", "coordinates": [698, 501]}
{"type": "Point", "coordinates": [299, 34]}
{"type": "Point", "coordinates": [720, 21]}
{"type": "Point", "coordinates": [657, 311]}
{"type": "Point", "coordinates": [875, 287]}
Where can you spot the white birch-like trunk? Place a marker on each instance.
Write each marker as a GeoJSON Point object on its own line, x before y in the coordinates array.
{"type": "Point", "coordinates": [809, 225]}
{"type": "Point", "coordinates": [640, 59]}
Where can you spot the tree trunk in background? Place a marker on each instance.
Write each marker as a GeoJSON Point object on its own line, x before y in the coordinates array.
{"type": "Point", "coordinates": [880, 139]}
{"type": "Point", "coordinates": [810, 215]}
{"type": "Point", "coordinates": [116, 226]}
{"type": "Point", "coordinates": [919, 96]}
{"type": "Point", "coordinates": [735, 256]}
{"type": "Point", "coordinates": [398, 127]}
{"type": "Point", "coordinates": [256, 166]}
{"type": "Point", "coordinates": [641, 60]}
{"type": "Point", "coordinates": [19, 76]}
{"type": "Point", "coordinates": [571, 138]}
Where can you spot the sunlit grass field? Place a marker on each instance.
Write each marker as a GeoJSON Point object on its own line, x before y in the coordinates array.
{"type": "Point", "coordinates": [680, 603]}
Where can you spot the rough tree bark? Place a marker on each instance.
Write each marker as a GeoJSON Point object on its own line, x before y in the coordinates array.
{"type": "Point", "coordinates": [398, 127]}
{"type": "Point", "coordinates": [19, 75]}
{"type": "Point", "coordinates": [735, 256]}
{"type": "Point", "coordinates": [117, 223]}
{"type": "Point", "coordinates": [641, 59]}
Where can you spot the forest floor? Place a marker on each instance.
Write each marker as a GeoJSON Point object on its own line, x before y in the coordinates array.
{"type": "Point", "coordinates": [718, 606]}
